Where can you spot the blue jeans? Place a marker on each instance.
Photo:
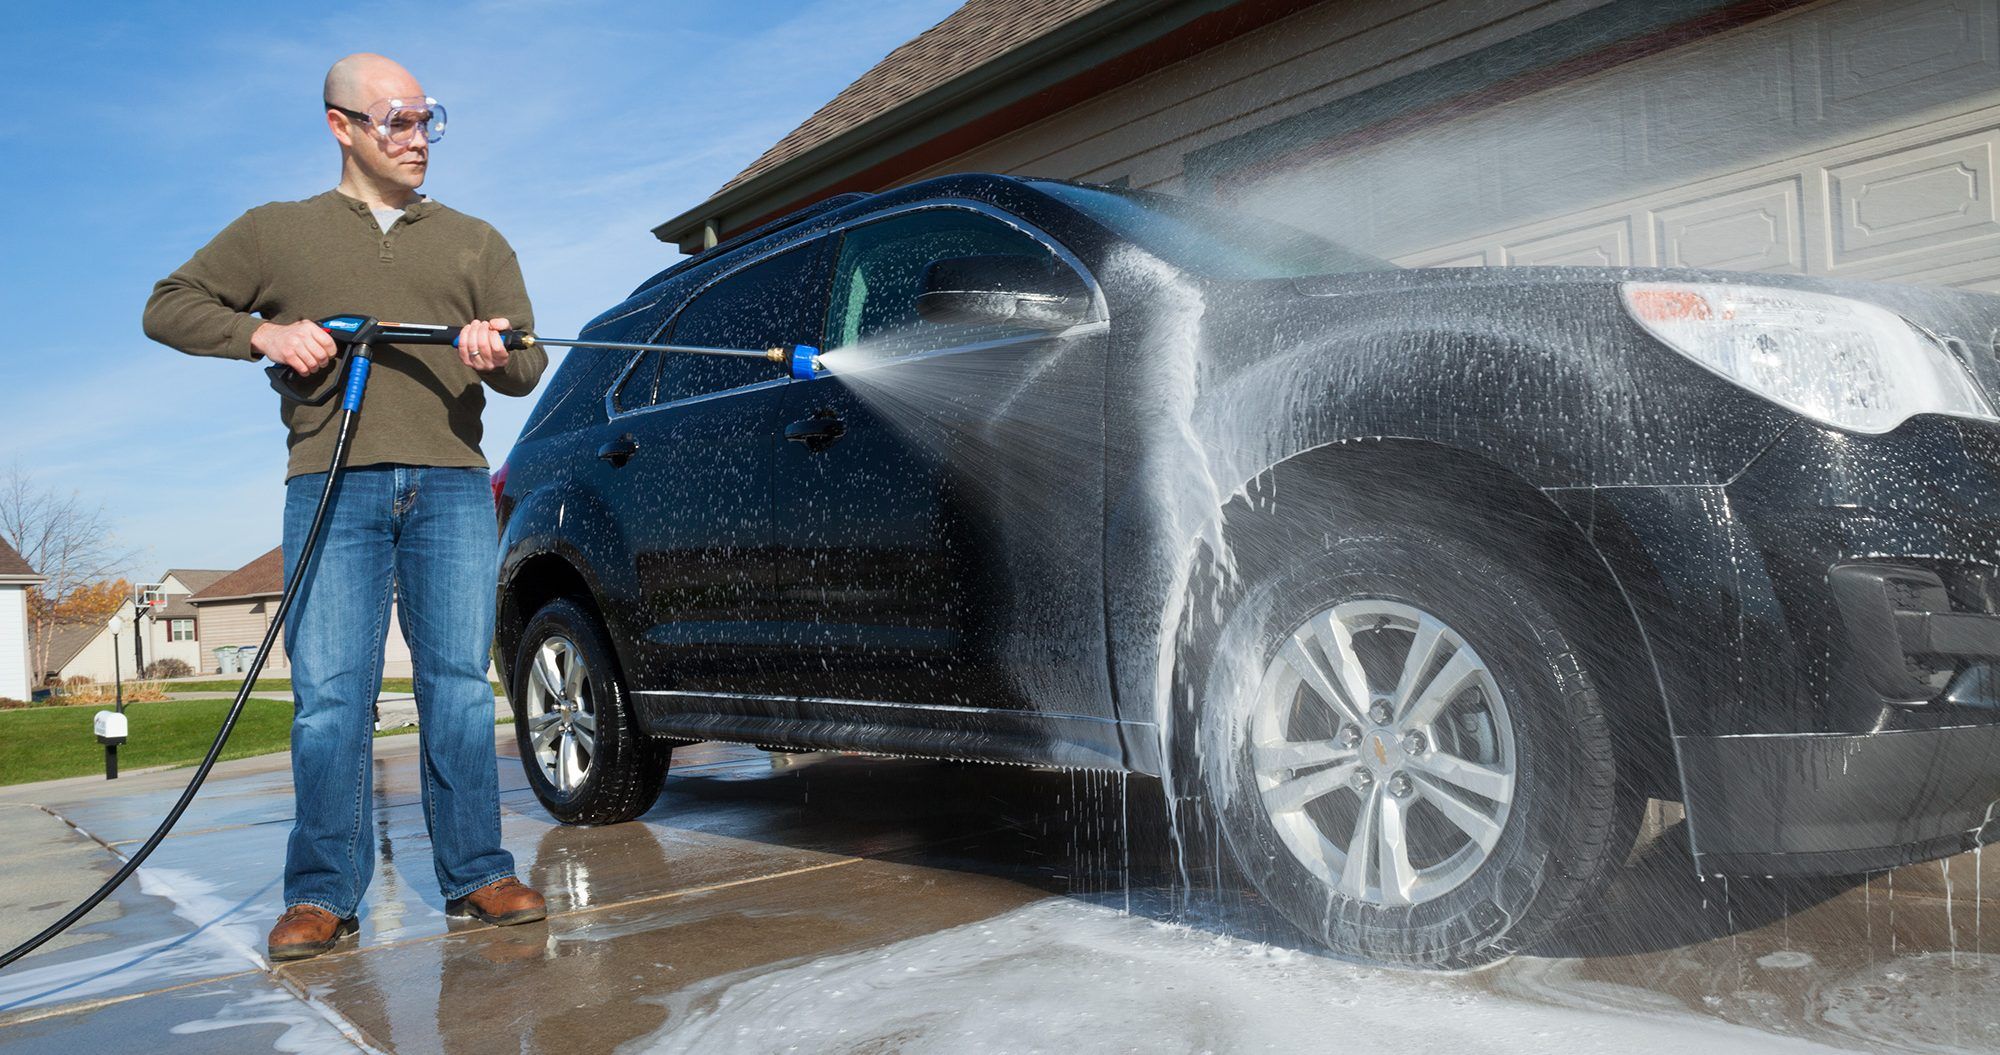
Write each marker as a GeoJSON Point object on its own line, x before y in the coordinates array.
{"type": "Point", "coordinates": [426, 536]}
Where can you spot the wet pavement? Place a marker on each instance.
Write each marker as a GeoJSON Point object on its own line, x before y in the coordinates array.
{"type": "Point", "coordinates": [841, 903]}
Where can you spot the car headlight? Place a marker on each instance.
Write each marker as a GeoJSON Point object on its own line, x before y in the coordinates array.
{"type": "Point", "coordinates": [1845, 362]}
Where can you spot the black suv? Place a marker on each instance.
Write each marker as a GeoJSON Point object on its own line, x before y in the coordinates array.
{"type": "Point", "coordinates": [1419, 582]}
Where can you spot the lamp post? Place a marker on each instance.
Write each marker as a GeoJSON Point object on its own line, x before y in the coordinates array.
{"type": "Point", "coordinates": [110, 726]}
{"type": "Point", "coordinates": [117, 668]}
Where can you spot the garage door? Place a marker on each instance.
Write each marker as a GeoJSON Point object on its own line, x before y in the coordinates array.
{"type": "Point", "coordinates": [1856, 139]}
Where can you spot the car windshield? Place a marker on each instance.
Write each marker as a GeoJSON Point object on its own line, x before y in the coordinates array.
{"type": "Point", "coordinates": [1211, 241]}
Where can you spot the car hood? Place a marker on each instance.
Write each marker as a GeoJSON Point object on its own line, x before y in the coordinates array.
{"type": "Point", "coordinates": [1969, 321]}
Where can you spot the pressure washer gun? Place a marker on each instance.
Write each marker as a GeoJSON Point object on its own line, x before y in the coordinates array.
{"type": "Point", "coordinates": [357, 334]}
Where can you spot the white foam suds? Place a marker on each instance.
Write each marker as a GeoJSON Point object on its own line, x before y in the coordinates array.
{"type": "Point", "coordinates": [1064, 976]}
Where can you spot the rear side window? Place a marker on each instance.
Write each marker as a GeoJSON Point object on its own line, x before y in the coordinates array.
{"type": "Point", "coordinates": [881, 272]}
{"type": "Point", "coordinates": [775, 301]}
{"type": "Point", "coordinates": [637, 389]}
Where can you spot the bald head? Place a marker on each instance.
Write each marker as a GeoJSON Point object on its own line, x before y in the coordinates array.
{"type": "Point", "coordinates": [363, 78]}
{"type": "Point", "coordinates": [377, 164]}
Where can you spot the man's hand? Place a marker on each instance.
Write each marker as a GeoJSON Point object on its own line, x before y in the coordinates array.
{"type": "Point", "coordinates": [301, 345]}
{"type": "Point", "coordinates": [481, 347]}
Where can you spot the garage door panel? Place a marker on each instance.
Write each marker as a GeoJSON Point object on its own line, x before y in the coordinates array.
{"type": "Point", "coordinates": [1599, 245]}
{"type": "Point", "coordinates": [1884, 58]}
{"type": "Point", "coordinates": [1757, 229]}
{"type": "Point", "coordinates": [1913, 200]}
{"type": "Point", "coordinates": [1688, 124]}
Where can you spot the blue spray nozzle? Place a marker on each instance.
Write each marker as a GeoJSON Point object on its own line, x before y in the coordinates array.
{"type": "Point", "coordinates": [805, 362]}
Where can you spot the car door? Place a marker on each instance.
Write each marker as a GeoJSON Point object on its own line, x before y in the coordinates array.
{"type": "Point", "coordinates": [940, 496]}
{"type": "Point", "coordinates": [688, 452]}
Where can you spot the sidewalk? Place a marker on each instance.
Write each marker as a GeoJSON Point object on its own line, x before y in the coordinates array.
{"type": "Point", "coordinates": [397, 709]}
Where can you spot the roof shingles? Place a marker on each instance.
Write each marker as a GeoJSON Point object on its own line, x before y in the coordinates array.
{"type": "Point", "coordinates": [968, 38]}
{"type": "Point", "coordinates": [259, 578]}
{"type": "Point", "coordinates": [11, 563]}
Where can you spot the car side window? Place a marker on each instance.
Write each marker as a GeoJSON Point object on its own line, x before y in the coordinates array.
{"type": "Point", "coordinates": [774, 301]}
{"type": "Point", "coordinates": [881, 272]}
{"type": "Point", "coordinates": [637, 389]}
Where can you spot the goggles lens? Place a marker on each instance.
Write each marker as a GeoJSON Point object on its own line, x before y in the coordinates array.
{"type": "Point", "coordinates": [404, 121]}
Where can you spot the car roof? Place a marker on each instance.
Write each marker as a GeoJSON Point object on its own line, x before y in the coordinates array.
{"type": "Point", "coordinates": [832, 211]}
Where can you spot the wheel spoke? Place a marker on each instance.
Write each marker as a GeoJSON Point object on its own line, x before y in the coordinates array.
{"type": "Point", "coordinates": [1289, 755]}
{"type": "Point", "coordinates": [1478, 779]}
{"type": "Point", "coordinates": [546, 672]}
{"type": "Point", "coordinates": [573, 677]}
{"type": "Point", "coordinates": [1337, 641]}
{"type": "Point", "coordinates": [586, 738]}
{"type": "Point", "coordinates": [584, 721]}
{"type": "Point", "coordinates": [1360, 846]}
{"type": "Point", "coordinates": [1423, 649]}
{"type": "Point", "coordinates": [1480, 828]}
{"type": "Point", "coordinates": [1296, 793]}
{"type": "Point", "coordinates": [1309, 670]}
{"type": "Point", "coordinates": [566, 767]}
{"type": "Point", "coordinates": [1399, 877]}
{"type": "Point", "coordinates": [1461, 668]}
{"type": "Point", "coordinates": [542, 729]}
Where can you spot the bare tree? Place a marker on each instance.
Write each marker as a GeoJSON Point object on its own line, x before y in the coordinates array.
{"type": "Point", "coordinates": [63, 539]}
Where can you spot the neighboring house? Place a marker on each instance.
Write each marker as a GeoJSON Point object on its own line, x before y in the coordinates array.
{"type": "Point", "coordinates": [1848, 138]}
{"type": "Point", "coordinates": [16, 577]}
{"type": "Point", "coordinates": [87, 650]}
{"type": "Point", "coordinates": [171, 630]}
{"type": "Point", "coordinates": [235, 611]}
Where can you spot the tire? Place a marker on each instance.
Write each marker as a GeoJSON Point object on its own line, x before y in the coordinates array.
{"type": "Point", "coordinates": [1497, 855]}
{"type": "Point", "coordinates": [584, 753]}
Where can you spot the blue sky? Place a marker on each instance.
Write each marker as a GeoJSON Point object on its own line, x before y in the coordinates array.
{"type": "Point", "coordinates": [131, 133]}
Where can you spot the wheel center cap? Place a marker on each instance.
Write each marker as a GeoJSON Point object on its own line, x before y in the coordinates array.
{"type": "Point", "coordinates": [1382, 750]}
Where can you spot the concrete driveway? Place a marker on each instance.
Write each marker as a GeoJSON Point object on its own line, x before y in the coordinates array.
{"type": "Point", "coordinates": [834, 903]}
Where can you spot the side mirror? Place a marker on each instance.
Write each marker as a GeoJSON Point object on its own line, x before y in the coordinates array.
{"type": "Point", "coordinates": [987, 290]}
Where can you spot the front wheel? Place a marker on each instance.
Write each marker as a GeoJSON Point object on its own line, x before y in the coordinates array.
{"type": "Point", "coordinates": [585, 755]}
{"type": "Point", "coordinates": [1413, 761]}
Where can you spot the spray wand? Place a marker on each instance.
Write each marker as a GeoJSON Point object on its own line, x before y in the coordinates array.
{"type": "Point", "coordinates": [357, 335]}
{"type": "Point", "coordinates": [801, 361]}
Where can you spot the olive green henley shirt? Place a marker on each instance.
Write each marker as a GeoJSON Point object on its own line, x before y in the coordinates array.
{"type": "Point", "coordinates": [327, 255]}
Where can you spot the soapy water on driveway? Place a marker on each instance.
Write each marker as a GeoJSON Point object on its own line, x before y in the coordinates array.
{"type": "Point", "coordinates": [824, 903]}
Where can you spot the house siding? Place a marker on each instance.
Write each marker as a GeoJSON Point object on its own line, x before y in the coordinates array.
{"type": "Point", "coordinates": [15, 684]}
{"type": "Point", "coordinates": [239, 624]}
{"type": "Point", "coordinates": [1145, 130]}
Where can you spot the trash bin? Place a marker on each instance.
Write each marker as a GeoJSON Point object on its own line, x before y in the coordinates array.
{"type": "Point", "coordinates": [246, 655]}
{"type": "Point", "coordinates": [225, 660]}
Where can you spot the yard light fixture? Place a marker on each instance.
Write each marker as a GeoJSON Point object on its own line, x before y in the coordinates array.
{"type": "Point", "coordinates": [110, 726]}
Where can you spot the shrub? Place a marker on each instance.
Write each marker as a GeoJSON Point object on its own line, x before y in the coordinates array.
{"type": "Point", "coordinates": [7, 704]}
{"type": "Point", "coordinates": [168, 668]}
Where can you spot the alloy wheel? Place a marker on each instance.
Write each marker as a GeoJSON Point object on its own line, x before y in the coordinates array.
{"type": "Point", "coordinates": [560, 713]}
{"type": "Point", "coordinates": [1383, 752]}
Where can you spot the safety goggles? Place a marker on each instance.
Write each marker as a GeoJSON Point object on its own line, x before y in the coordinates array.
{"type": "Point", "coordinates": [401, 121]}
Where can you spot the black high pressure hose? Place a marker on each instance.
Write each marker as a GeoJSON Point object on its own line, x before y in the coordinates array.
{"type": "Point", "coordinates": [357, 382]}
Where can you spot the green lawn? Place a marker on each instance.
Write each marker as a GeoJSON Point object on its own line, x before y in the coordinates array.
{"type": "Point", "coordinates": [281, 685]}
{"type": "Point", "coordinates": [43, 743]}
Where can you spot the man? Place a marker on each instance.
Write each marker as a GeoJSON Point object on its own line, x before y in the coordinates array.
{"type": "Point", "coordinates": [412, 518]}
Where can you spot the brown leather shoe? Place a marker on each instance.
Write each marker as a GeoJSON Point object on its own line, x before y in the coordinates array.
{"type": "Point", "coordinates": [503, 903]}
{"type": "Point", "coordinates": [307, 930]}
